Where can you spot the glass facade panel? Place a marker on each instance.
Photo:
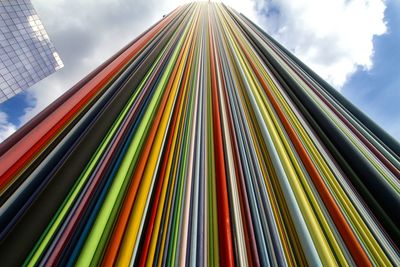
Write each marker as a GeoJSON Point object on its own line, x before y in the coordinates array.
{"type": "Point", "coordinates": [26, 53]}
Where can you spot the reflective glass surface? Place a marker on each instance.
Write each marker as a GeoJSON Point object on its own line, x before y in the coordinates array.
{"type": "Point", "coordinates": [26, 52]}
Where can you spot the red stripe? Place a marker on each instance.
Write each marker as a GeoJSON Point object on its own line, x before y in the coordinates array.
{"type": "Point", "coordinates": [351, 241]}
{"type": "Point", "coordinates": [224, 223]}
{"type": "Point", "coordinates": [21, 153]}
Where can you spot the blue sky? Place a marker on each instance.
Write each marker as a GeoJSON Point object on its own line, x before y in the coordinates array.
{"type": "Point", "coordinates": [14, 107]}
{"type": "Point", "coordinates": [334, 37]}
{"type": "Point", "coordinates": [377, 91]}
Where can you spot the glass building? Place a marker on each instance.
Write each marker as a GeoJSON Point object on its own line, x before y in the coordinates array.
{"type": "Point", "coordinates": [26, 52]}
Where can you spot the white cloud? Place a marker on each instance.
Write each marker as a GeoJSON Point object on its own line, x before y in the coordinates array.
{"type": "Point", "coordinates": [333, 37]}
{"type": "Point", "coordinates": [6, 127]}
{"type": "Point", "coordinates": [86, 33]}
{"type": "Point", "coordinates": [90, 32]}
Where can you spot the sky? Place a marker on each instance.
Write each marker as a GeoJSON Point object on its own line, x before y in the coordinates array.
{"type": "Point", "coordinates": [353, 44]}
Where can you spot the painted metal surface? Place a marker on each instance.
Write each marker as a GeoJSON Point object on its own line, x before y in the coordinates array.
{"type": "Point", "coordinates": [202, 142]}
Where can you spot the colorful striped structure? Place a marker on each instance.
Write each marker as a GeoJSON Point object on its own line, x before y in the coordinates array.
{"type": "Point", "coordinates": [202, 142]}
